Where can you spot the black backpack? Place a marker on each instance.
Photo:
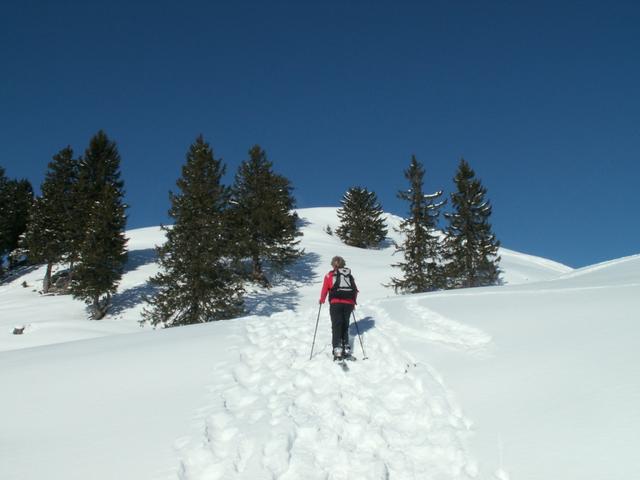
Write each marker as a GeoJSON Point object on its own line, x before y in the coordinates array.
{"type": "Point", "coordinates": [344, 286]}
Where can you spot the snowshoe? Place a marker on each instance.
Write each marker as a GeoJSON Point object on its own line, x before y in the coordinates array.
{"type": "Point", "coordinates": [337, 354]}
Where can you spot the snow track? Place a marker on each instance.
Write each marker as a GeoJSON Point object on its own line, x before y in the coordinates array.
{"type": "Point", "coordinates": [280, 416]}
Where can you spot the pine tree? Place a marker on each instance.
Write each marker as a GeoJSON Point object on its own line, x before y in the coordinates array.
{"type": "Point", "coordinates": [472, 248]}
{"type": "Point", "coordinates": [361, 219]}
{"type": "Point", "coordinates": [422, 267]}
{"type": "Point", "coordinates": [101, 248]}
{"type": "Point", "coordinates": [197, 282]}
{"type": "Point", "coordinates": [50, 233]}
{"type": "Point", "coordinates": [16, 199]}
{"type": "Point", "coordinates": [4, 204]}
{"type": "Point", "coordinates": [265, 225]}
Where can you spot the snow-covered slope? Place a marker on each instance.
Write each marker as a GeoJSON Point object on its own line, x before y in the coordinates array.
{"type": "Point", "coordinates": [61, 319]}
{"type": "Point", "coordinates": [535, 379]}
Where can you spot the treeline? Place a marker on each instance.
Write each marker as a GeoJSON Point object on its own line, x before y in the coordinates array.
{"type": "Point", "coordinates": [223, 235]}
{"type": "Point", "coordinates": [79, 218]}
{"type": "Point", "coordinates": [462, 254]}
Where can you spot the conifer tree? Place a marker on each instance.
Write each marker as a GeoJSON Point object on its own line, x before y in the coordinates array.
{"type": "Point", "coordinates": [361, 219]}
{"type": "Point", "coordinates": [16, 199]}
{"type": "Point", "coordinates": [51, 225]}
{"type": "Point", "coordinates": [265, 224]}
{"type": "Point", "coordinates": [472, 248]}
{"type": "Point", "coordinates": [4, 204]}
{"type": "Point", "coordinates": [196, 283]}
{"type": "Point", "coordinates": [101, 248]}
{"type": "Point", "coordinates": [422, 250]}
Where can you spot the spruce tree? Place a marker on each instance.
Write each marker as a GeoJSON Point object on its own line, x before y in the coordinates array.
{"type": "Point", "coordinates": [16, 199]}
{"type": "Point", "coordinates": [361, 219]}
{"type": "Point", "coordinates": [472, 248]}
{"type": "Point", "coordinates": [101, 248]}
{"type": "Point", "coordinates": [4, 204]}
{"type": "Point", "coordinates": [265, 225]}
{"type": "Point", "coordinates": [422, 250]}
{"type": "Point", "coordinates": [50, 233]}
{"type": "Point", "coordinates": [196, 283]}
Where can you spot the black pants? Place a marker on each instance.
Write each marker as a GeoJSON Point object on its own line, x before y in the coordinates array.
{"type": "Point", "coordinates": [340, 315]}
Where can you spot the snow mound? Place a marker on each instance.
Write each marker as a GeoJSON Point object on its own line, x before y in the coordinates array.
{"type": "Point", "coordinates": [622, 271]}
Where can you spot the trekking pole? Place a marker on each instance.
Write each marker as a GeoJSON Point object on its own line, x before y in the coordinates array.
{"type": "Point", "coordinates": [364, 355]}
{"type": "Point", "coordinates": [316, 331]}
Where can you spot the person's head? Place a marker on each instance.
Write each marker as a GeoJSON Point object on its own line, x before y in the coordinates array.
{"type": "Point", "coordinates": [338, 262]}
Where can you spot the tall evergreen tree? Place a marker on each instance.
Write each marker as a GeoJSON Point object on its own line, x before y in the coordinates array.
{"type": "Point", "coordinates": [361, 219]}
{"type": "Point", "coordinates": [4, 204]}
{"type": "Point", "coordinates": [422, 267]}
{"type": "Point", "coordinates": [197, 282]}
{"type": "Point", "coordinates": [265, 225]}
{"type": "Point", "coordinates": [50, 233]}
{"type": "Point", "coordinates": [16, 199]}
{"type": "Point", "coordinates": [472, 248]}
{"type": "Point", "coordinates": [102, 246]}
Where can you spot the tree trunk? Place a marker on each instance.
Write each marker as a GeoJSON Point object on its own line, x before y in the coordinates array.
{"type": "Point", "coordinates": [100, 309]}
{"type": "Point", "coordinates": [46, 283]}
{"type": "Point", "coordinates": [257, 274]}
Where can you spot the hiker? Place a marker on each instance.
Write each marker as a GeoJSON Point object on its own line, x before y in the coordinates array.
{"type": "Point", "coordinates": [341, 288]}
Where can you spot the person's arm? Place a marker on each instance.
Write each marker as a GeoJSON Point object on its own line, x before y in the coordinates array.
{"type": "Point", "coordinates": [355, 299]}
{"type": "Point", "coordinates": [326, 286]}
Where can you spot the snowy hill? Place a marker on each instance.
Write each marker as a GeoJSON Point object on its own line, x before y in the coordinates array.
{"type": "Point", "coordinates": [535, 379]}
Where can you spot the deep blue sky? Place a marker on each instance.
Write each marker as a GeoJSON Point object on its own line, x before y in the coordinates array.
{"type": "Point", "coordinates": [541, 98]}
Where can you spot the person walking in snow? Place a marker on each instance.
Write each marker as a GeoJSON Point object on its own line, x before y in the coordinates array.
{"type": "Point", "coordinates": [341, 288]}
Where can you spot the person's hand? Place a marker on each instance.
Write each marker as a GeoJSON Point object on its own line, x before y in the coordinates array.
{"type": "Point", "coordinates": [321, 302]}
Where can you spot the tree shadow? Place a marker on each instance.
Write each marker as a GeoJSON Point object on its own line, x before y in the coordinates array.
{"type": "Point", "coordinates": [285, 282]}
{"type": "Point", "coordinates": [302, 222]}
{"type": "Point", "coordinates": [130, 298]}
{"type": "Point", "coordinates": [302, 271]}
{"type": "Point", "coordinates": [364, 325]}
{"type": "Point", "coordinates": [17, 273]}
{"type": "Point", "coordinates": [139, 258]}
{"type": "Point", "coordinates": [386, 243]}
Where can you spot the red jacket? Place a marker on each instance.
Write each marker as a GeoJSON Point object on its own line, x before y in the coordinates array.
{"type": "Point", "coordinates": [326, 286]}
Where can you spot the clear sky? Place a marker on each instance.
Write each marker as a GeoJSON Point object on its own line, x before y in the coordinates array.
{"type": "Point", "coordinates": [541, 98]}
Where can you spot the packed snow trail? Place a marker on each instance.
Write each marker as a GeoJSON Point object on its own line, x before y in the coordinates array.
{"type": "Point", "coordinates": [280, 416]}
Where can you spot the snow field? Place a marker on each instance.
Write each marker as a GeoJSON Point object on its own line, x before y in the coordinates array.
{"type": "Point", "coordinates": [281, 416]}
{"type": "Point", "coordinates": [536, 379]}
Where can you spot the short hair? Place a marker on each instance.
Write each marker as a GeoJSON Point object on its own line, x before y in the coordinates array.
{"type": "Point", "coordinates": [338, 262]}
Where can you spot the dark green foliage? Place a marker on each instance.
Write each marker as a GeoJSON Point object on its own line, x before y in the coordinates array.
{"type": "Point", "coordinates": [197, 283]}
{"type": "Point", "coordinates": [422, 267]}
{"type": "Point", "coordinates": [52, 224]}
{"type": "Point", "coordinates": [472, 248]}
{"type": "Point", "coordinates": [16, 198]}
{"type": "Point", "coordinates": [100, 249]}
{"type": "Point", "coordinates": [263, 219]}
{"type": "Point", "coordinates": [361, 222]}
{"type": "Point", "coordinates": [3, 216]}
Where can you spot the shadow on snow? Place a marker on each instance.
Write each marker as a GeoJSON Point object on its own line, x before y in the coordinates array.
{"type": "Point", "coordinates": [283, 295]}
{"type": "Point", "coordinates": [139, 258]}
{"type": "Point", "coordinates": [130, 298]}
{"type": "Point", "coordinates": [364, 325]}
